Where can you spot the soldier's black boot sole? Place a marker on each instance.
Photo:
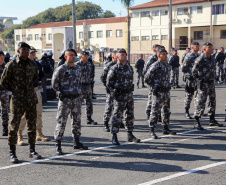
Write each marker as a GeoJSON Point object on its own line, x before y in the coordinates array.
{"type": "Point", "coordinates": [13, 159]}
{"type": "Point", "coordinates": [115, 140]}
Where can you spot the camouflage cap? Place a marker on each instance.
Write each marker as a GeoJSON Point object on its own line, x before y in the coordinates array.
{"type": "Point", "coordinates": [32, 49]}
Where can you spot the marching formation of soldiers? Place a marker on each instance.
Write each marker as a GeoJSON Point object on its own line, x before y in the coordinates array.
{"type": "Point", "coordinates": [73, 82]}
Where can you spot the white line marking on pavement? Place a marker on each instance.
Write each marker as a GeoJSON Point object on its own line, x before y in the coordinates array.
{"type": "Point", "coordinates": [183, 173]}
{"type": "Point", "coordinates": [87, 151]}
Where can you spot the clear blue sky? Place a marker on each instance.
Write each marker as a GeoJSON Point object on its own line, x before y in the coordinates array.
{"type": "Point", "coordinates": [23, 9]}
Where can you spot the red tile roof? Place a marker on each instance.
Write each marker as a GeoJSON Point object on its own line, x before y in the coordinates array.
{"type": "Point", "coordinates": [80, 22]}
{"type": "Point", "coordinates": [159, 3]}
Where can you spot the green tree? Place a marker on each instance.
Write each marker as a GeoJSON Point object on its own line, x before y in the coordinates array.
{"type": "Point", "coordinates": [31, 21]}
{"type": "Point", "coordinates": [127, 4]}
{"type": "Point", "coordinates": [9, 33]}
{"type": "Point", "coordinates": [2, 27]}
{"type": "Point", "coordinates": [107, 14]}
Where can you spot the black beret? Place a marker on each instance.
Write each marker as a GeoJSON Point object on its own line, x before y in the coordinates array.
{"type": "Point", "coordinates": [23, 45]}
{"type": "Point", "coordinates": [194, 43]}
{"type": "Point", "coordinates": [122, 51]}
{"type": "Point", "coordinates": [156, 45]}
{"type": "Point", "coordinates": [84, 52]}
{"type": "Point", "coordinates": [2, 53]}
{"type": "Point", "coordinates": [207, 44]}
{"type": "Point", "coordinates": [174, 49]}
{"type": "Point", "coordinates": [161, 50]}
{"type": "Point", "coordinates": [188, 48]}
{"type": "Point", "coordinates": [72, 50]}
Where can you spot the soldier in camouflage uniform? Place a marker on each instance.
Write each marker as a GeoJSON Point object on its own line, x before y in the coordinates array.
{"type": "Point", "coordinates": [174, 62]}
{"type": "Point", "coordinates": [204, 71]}
{"type": "Point", "coordinates": [214, 53]}
{"type": "Point", "coordinates": [190, 85]}
{"type": "Point", "coordinates": [66, 81]}
{"type": "Point", "coordinates": [86, 85]}
{"type": "Point", "coordinates": [158, 77]}
{"type": "Point", "coordinates": [120, 82]}
{"type": "Point", "coordinates": [139, 65]}
{"type": "Point", "coordinates": [18, 77]}
{"type": "Point", "coordinates": [46, 65]}
{"type": "Point", "coordinates": [220, 57]}
{"type": "Point", "coordinates": [182, 61]}
{"type": "Point", "coordinates": [109, 95]}
{"type": "Point", "coordinates": [50, 58]}
{"type": "Point", "coordinates": [152, 59]}
{"type": "Point", "coordinates": [90, 60]}
{"type": "Point", "coordinates": [4, 98]}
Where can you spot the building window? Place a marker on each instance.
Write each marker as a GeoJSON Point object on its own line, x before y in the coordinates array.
{"type": "Point", "coordinates": [155, 13]}
{"type": "Point", "coordinates": [223, 34]}
{"type": "Point", "coordinates": [135, 15]}
{"type": "Point", "coordinates": [111, 49]}
{"type": "Point", "coordinates": [164, 37]}
{"type": "Point", "coordinates": [118, 33]}
{"type": "Point", "coordinates": [135, 38]}
{"type": "Point", "coordinates": [198, 35]}
{"type": "Point", "coordinates": [17, 37]}
{"type": "Point", "coordinates": [99, 34]}
{"type": "Point", "coordinates": [36, 36]}
{"type": "Point", "coordinates": [182, 11]}
{"type": "Point", "coordinates": [155, 37]}
{"type": "Point", "coordinates": [50, 36]}
{"type": "Point", "coordinates": [145, 38]}
{"type": "Point", "coordinates": [91, 34]}
{"type": "Point", "coordinates": [80, 35]}
{"type": "Point", "coordinates": [109, 33]}
{"type": "Point", "coordinates": [164, 12]}
{"type": "Point", "coordinates": [196, 10]}
{"type": "Point", "coordinates": [29, 37]}
{"type": "Point", "coordinates": [218, 9]}
{"type": "Point", "coordinates": [145, 14]}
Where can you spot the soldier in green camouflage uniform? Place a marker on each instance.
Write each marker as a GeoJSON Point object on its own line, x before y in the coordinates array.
{"type": "Point", "coordinates": [4, 98]}
{"type": "Point", "coordinates": [18, 77]}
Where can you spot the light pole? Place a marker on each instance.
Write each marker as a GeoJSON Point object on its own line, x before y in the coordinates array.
{"type": "Point", "coordinates": [170, 24]}
{"type": "Point", "coordinates": [74, 26]}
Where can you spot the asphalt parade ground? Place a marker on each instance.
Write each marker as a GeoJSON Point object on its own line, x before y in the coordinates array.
{"type": "Point", "coordinates": [190, 157]}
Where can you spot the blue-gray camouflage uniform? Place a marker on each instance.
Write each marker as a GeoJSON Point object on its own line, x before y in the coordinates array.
{"type": "Point", "coordinates": [120, 81]}
{"type": "Point", "coordinates": [158, 76]}
{"type": "Point", "coordinates": [174, 62]}
{"type": "Point", "coordinates": [139, 65]}
{"type": "Point", "coordinates": [190, 85]}
{"type": "Point", "coordinates": [204, 71]}
{"type": "Point", "coordinates": [109, 95]}
{"type": "Point", "coordinates": [220, 57]}
{"type": "Point", "coordinates": [66, 80]}
{"type": "Point", "coordinates": [86, 86]}
{"type": "Point", "coordinates": [4, 99]}
{"type": "Point", "coordinates": [152, 59]}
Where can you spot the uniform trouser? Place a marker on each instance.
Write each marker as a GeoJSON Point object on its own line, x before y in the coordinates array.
{"type": "Point", "coordinates": [220, 72]}
{"type": "Point", "coordinates": [207, 89]}
{"type": "Point", "coordinates": [19, 108]}
{"type": "Point", "coordinates": [140, 75]}
{"type": "Point", "coordinates": [39, 113]}
{"type": "Point", "coordinates": [87, 96]}
{"type": "Point", "coordinates": [148, 107]}
{"type": "Point", "coordinates": [4, 98]}
{"type": "Point", "coordinates": [174, 76]}
{"type": "Point", "coordinates": [189, 93]}
{"type": "Point", "coordinates": [161, 100]}
{"type": "Point", "coordinates": [66, 107]}
{"type": "Point", "coordinates": [123, 102]}
{"type": "Point", "coordinates": [108, 107]}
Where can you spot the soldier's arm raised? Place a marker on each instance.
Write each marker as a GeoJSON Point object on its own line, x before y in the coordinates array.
{"type": "Point", "coordinates": [6, 78]}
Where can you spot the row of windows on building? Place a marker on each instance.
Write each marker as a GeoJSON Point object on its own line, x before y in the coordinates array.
{"type": "Point", "coordinates": [36, 37]}
{"type": "Point", "coordinates": [99, 34]}
{"type": "Point", "coordinates": [198, 35]}
{"type": "Point", "coordinates": [216, 9]}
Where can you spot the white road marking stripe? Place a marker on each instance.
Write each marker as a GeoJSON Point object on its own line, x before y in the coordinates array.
{"type": "Point", "coordinates": [86, 151]}
{"type": "Point", "coordinates": [183, 173]}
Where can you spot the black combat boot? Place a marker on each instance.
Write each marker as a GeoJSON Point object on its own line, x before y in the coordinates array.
{"type": "Point", "coordinates": [90, 121]}
{"type": "Point", "coordinates": [122, 125]}
{"type": "Point", "coordinates": [167, 131]}
{"type": "Point", "coordinates": [13, 157]}
{"type": "Point", "coordinates": [187, 115]}
{"type": "Point", "coordinates": [152, 133]}
{"type": "Point", "coordinates": [115, 139]}
{"type": "Point", "coordinates": [5, 130]}
{"type": "Point", "coordinates": [33, 153]}
{"type": "Point", "coordinates": [143, 86]}
{"type": "Point", "coordinates": [78, 145]}
{"type": "Point", "coordinates": [198, 124]}
{"type": "Point", "coordinates": [177, 86]}
{"type": "Point", "coordinates": [106, 127]}
{"type": "Point", "coordinates": [132, 138]}
{"type": "Point", "coordinates": [58, 148]}
{"type": "Point", "coordinates": [213, 122]}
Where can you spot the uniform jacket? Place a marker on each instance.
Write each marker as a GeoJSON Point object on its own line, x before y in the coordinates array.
{"type": "Point", "coordinates": [139, 65]}
{"type": "Point", "coordinates": [174, 61]}
{"type": "Point", "coordinates": [103, 76]}
{"type": "Point", "coordinates": [151, 60]}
